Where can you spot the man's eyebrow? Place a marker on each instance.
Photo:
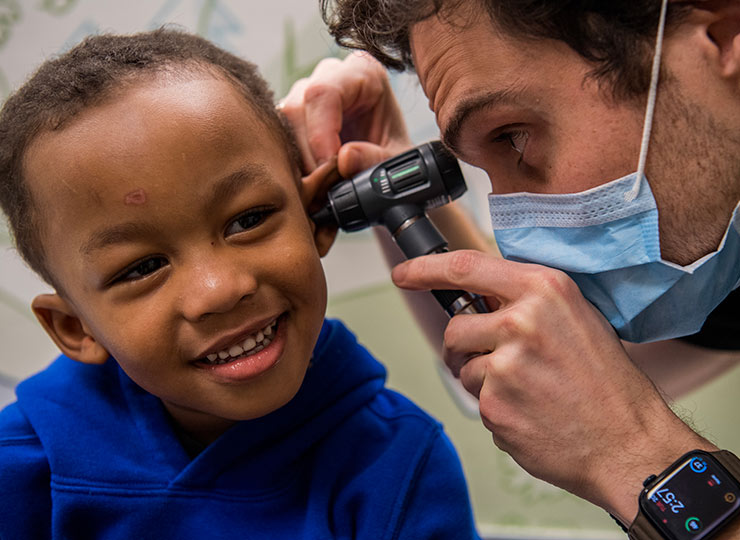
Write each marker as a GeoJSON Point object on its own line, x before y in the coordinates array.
{"type": "Point", "coordinates": [467, 107]}
{"type": "Point", "coordinates": [223, 189]}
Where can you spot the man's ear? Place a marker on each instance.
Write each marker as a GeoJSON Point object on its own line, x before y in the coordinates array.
{"type": "Point", "coordinates": [65, 328]}
{"type": "Point", "coordinates": [722, 20]}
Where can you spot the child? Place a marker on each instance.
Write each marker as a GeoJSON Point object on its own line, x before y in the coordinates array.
{"type": "Point", "coordinates": [200, 393]}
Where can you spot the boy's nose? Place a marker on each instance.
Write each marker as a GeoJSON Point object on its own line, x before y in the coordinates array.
{"type": "Point", "coordinates": [216, 286]}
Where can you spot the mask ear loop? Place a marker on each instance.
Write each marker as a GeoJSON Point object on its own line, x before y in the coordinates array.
{"type": "Point", "coordinates": [650, 107]}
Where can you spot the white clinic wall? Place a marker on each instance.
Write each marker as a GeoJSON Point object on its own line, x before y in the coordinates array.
{"type": "Point", "coordinates": [286, 38]}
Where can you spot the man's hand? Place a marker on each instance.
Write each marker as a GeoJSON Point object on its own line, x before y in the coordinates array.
{"type": "Point", "coordinates": [346, 108]}
{"type": "Point", "coordinates": [556, 388]}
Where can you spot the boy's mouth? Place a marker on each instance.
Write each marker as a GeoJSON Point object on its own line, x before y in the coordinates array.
{"type": "Point", "coordinates": [252, 344]}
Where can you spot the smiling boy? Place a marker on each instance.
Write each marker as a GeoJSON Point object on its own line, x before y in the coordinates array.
{"type": "Point", "coordinates": [200, 393]}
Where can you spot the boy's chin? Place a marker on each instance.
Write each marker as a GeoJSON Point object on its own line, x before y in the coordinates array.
{"type": "Point", "coordinates": [276, 401]}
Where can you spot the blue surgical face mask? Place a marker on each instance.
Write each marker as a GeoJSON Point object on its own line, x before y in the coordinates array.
{"type": "Point", "coordinates": [606, 239]}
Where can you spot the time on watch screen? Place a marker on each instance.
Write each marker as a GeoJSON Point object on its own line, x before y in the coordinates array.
{"type": "Point", "coordinates": [692, 498]}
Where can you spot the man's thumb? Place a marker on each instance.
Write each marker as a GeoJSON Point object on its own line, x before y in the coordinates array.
{"type": "Point", "coordinates": [356, 156]}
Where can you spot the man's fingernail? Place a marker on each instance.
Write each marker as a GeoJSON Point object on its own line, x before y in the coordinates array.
{"type": "Point", "coordinates": [321, 161]}
{"type": "Point", "coordinates": [399, 272]}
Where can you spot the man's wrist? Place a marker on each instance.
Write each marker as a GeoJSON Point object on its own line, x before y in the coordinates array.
{"type": "Point", "coordinates": [618, 488]}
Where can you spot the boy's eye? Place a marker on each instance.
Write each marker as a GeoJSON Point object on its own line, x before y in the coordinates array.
{"type": "Point", "coordinates": [141, 269]}
{"type": "Point", "coordinates": [248, 220]}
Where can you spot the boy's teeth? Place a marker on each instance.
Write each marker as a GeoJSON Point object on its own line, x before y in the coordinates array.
{"type": "Point", "coordinates": [251, 345]}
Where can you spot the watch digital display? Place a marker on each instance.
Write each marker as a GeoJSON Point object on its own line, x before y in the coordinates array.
{"type": "Point", "coordinates": [692, 499]}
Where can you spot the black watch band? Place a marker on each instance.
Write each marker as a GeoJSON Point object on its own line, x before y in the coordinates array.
{"type": "Point", "coordinates": [645, 528]}
{"type": "Point", "coordinates": [729, 461]}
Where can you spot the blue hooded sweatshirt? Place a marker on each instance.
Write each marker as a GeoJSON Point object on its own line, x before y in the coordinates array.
{"type": "Point", "coordinates": [86, 453]}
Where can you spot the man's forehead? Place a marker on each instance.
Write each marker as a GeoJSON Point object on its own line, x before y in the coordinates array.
{"type": "Point", "coordinates": [463, 63]}
{"type": "Point", "coordinates": [465, 60]}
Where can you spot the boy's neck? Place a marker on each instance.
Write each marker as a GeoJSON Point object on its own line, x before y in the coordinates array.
{"type": "Point", "coordinates": [202, 429]}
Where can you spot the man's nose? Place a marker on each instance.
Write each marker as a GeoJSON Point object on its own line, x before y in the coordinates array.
{"type": "Point", "coordinates": [216, 286]}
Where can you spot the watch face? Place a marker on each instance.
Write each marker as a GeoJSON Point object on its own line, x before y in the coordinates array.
{"type": "Point", "coordinates": [693, 499]}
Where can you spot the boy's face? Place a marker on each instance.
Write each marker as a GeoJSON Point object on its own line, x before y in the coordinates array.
{"type": "Point", "coordinates": [174, 226]}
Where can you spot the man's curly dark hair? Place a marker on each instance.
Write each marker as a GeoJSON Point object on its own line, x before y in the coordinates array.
{"type": "Point", "coordinates": [616, 36]}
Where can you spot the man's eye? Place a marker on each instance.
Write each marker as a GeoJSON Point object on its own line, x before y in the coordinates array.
{"type": "Point", "coordinates": [516, 138]}
{"type": "Point", "coordinates": [248, 220]}
{"type": "Point", "coordinates": [141, 269]}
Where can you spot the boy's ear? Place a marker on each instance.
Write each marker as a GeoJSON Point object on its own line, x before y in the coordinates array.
{"type": "Point", "coordinates": [313, 194]}
{"type": "Point", "coordinates": [323, 237]}
{"type": "Point", "coordinates": [722, 21]}
{"type": "Point", "coordinates": [66, 329]}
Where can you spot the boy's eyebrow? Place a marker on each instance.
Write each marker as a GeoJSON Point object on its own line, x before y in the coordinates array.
{"type": "Point", "coordinates": [231, 184]}
{"type": "Point", "coordinates": [223, 189]}
{"type": "Point", "coordinates": [117, 234]}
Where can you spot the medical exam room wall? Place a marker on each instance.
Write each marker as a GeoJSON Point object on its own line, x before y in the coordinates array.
{"type": "Point", "coordinates": [286, 38]}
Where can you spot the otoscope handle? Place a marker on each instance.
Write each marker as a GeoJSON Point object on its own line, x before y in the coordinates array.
{"type": "Point", "coordinates": [455, 302]}
{"type": "Point", "coordinates": [416, 235]}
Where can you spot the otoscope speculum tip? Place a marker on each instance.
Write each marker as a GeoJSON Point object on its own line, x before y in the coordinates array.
{"type": "Point", "coordinates": [325, 216]}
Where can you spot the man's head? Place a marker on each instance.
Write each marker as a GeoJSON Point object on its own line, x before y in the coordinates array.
{"type": "Point", "coordinates": [616, 36]}
{"type": "Point", "coordinates": [549, 96]}
{"type": "Point", "coordinates": [171, 221]}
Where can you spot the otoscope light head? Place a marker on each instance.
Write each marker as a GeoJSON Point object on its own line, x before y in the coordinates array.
{"type": "Point", "coordinates": [396, 194]}
{"type": "Point", "coordinates": [427, 176]}
{"type": "Point", "coordinates": [449, 170]}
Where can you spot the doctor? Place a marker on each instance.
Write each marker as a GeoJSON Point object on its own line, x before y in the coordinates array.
{"type": "Point", "coordinates": [559, 103]}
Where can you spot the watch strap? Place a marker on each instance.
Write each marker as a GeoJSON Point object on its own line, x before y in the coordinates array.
{"type": "Point", "coordinates": [729, 461]}
{"type": "Point", "coordinates": [643, 529]}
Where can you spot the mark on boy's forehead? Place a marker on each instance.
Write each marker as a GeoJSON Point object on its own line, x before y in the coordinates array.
{"type": "Point", "coordinates": [136, 197]}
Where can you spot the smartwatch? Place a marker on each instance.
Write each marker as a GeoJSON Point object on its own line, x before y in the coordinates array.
{"type": "Point", "coordinates": [692, 499]}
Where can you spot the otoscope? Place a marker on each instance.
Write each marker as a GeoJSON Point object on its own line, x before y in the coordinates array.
{"type": "Point", "coordinates": [397, 193]}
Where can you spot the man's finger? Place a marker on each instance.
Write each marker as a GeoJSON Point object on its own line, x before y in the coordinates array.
{"type": "Point", "coordinates": [291, 106]}
{"type": "Point", "coordinates": [473, 375]}
{"type": "Point", "coordinates": [324, 113]}
{"type": "Point", "coordinates": [467, 337]}
{"type": "Point", "coordinates": [339, 90]}
{"type": "Point", "coordinates": [355, 157]}
{"type": "Point", "coordinates": [468, 270]}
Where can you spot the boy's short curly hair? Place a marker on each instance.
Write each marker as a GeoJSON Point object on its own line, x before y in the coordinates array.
{"type": "Point", "coordinates": [87, 75]}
